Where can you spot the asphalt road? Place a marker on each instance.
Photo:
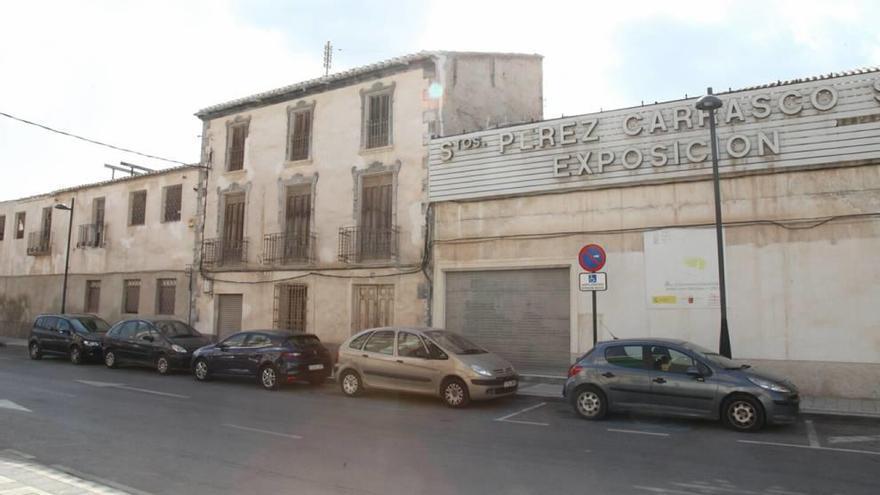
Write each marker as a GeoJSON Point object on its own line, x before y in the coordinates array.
{"type": "Point", "coordinates": [172, 435]}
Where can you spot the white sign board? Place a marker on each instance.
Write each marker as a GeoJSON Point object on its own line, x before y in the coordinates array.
{"type": "Point", "coordinates": [681, 268]}
{"type": "Point", "coordinates": [819, 122]}
{"type": "Point", "coordinates": [591, 282]}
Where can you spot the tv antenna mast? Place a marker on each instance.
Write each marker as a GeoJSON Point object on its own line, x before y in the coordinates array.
{"type": "Point", "coordinates": [328, 57]}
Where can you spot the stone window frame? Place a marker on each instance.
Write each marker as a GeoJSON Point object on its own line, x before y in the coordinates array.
{"type": "Point", "coordinates": [222, 194]}
{"type": "Point", "coordinates": [292, 111]}
{"type": "Point", "coordinates": [298, 180]}
{"type": "Point", "coordinates": [373, 169]}
{"type": "Point", "coordinates": [164, 204]}
{"type": "Point", "coordinates": [375, 90]}
{"type": "Point", "coordinates": [238, 121]}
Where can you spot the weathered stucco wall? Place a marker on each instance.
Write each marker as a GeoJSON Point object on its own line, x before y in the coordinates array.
{"type": "Point", "coordinates": [800, 300]}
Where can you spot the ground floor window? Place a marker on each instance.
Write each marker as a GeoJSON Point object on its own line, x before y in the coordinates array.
{"type": "Point", "coordinates": [166, 291]}
{"type": "Point", "coordinates": [131, 296]}
{"type": "Point", "coordinates": [290, 307]}
{"type": "Point", "coordinates": [93, 296]}
{"type": "Point", "coordinates": [373, 306]}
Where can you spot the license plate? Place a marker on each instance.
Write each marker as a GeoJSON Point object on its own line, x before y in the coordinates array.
{"type": "Point", "coordinates": [313, 367]}
{"type": "Point", "coordinates": [509, 383]}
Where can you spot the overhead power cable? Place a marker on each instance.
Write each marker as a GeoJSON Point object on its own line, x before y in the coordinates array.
{"type": "Point", "coordinates": [99, 143]}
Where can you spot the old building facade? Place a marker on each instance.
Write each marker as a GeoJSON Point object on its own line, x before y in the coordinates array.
{"type": "Point", "coordinates": [800, 167]}
{"type": "Point", "coordinates": [315, 211]}
{"type": "Point", "coordinates": [131, 243]}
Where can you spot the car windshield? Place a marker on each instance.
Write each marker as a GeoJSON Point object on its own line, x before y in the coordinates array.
{"type": "Point", "coordinates": [454, 342]}
{"type": "Point", "coordinates": [90, 325]}
{"type": "Point", "coordinates": [174, 328]}
{"type": "Point", "coordinates": [714, 357]}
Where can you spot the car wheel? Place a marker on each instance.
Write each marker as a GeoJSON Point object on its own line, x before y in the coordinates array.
{"type": "Point", "coordinates": [200, 370]}
{"type": "Point", "coordinates": [350, 383]}
{"type": "Point", "coordinates": [34, 351]}
{"type": "Point", "coordinates": [455, 393]}
{"type": "Point", "coordinates": [162, 364]}
{"type": "Point", "coordinates": [589, 402]}
{"type": "Point", "coordinates": [76, 355]}
{"type": "Point", "coordinates": [743, 413]}
{"type": "Point", "coordinates": [269, 377]}
{"type": "Point", "coordinates": [110, 359]}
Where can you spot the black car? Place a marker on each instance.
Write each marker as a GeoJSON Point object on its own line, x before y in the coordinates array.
{"type": "Point", "coordinates": [160, 342]}
{"type": "Point", "coordinates": [271, 356]}
{"type": "Point", "coordinates": [76, 336]}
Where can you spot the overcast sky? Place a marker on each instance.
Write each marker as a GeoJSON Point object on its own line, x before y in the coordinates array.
{"type": "Point", "coordinates": [133, 73]}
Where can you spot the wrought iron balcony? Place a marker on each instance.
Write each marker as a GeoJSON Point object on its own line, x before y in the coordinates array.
{"type": "Point", "coordinates": [92, 235]}
{"type": "Point", "coordinates": [359, 245]}
{"type": "Point", "coordinates": [39, 243]}
{"type": "Point", "coordinates": [223, 252]}
{"type": "Point", "coordinates": [288, 249]}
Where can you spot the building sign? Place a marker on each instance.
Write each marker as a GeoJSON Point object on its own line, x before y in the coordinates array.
{"type": "Point", "coordinates": [821, 122]}
{"type": "Point", "coordinates": [681, 268]}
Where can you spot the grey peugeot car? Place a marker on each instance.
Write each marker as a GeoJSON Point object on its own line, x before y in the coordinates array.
{"type": "Point", "coordinates": [676, 377]}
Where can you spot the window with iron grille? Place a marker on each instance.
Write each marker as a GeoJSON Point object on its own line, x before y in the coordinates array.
{"type": "Point", "coordinates": [377, 119]}
{"type": "Point", "coordinates": [235, 138]}
{"type": "Point", "coordinates": [171, 206]}
{"type": "Point", "coordinates": [290, 307]}
{"type": "Point", "coordinates": [166, 290]}
{"type": "Point", "coordinates": [300, 128]}
{"type": "Point", "coordinates": [93, 296]}
{"type": "Point", "coordinates": [137, 208]}
{"type": "Point", "coordinates": [131, 295]}
{"type": "Point", "coordinates": [2, 227]}
{"type": "Point", "coordinates": [19, 225]}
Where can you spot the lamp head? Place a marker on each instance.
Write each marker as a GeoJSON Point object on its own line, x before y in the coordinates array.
{"type": "Point", "coordinates": [708, 102]}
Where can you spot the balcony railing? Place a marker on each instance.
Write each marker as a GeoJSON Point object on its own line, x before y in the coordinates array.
{"type": "Point", "coordinates": [92, 235]}
{"type": "Point", "coordinates": [377, 133]}
{"type": "Point", "coordinates": [358, 245]}
{"type": "Point", "coordinates": [288, 249]}
{"type": "Point", "coordinates": [222, 252]}
{"type": "Point", "coordinates": [39, 243]}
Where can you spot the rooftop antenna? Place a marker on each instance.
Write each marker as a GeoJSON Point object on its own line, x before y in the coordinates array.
{"type": "Point", "coordinates": [328, 57]}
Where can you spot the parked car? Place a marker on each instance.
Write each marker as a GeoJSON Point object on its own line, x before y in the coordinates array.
{"type": "Point", "coordinates": [76, 336]}
{"type": "Point", "coordinates": [679, 378]}
{"type": "Point", "coordinates": [272, 357]}
{"type": "Point", "coordinates": [423, 360]}
{"type": "Point", "coordinates": [160, 342]}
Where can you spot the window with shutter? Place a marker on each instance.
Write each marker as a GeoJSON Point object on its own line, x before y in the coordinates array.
{"type": "Point", "coordinates": [237, 134]}
{"type": "Point", "coordinates": [297, 220]}
{"type": "Point", "coordinates": [378, 120]}
{"type": "Point", "coordinates": [373, 306]}
{"type": "Point", "coordinates": [166, 291]}
{"type": "Point", "coordinates": [131, 295]}
{"type": "Point", "coordinates": [301, 135]}
{"type": "Point", "coordinates": [376, 227]}
{"type": "Point", "coordinates": [93, 296]}
{"type": "Point", "coordinates": [233, 227]}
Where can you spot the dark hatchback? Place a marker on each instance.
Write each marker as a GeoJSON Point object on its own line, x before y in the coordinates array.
{"type": "Point", "coordinates": [75, 336]}
{"type": "Point", "coordinates": [162, 343]}
{"type": "Point", "coordinates": [272, 357]}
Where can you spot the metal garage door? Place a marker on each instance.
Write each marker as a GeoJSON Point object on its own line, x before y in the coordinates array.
{"type": "Point", "coordinates": [522, 315]}
{"type": "Point", "coordinates": [228, 314]}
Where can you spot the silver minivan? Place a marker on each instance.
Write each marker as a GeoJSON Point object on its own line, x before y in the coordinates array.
{"type": "Point", "coordinates": [425, 361]}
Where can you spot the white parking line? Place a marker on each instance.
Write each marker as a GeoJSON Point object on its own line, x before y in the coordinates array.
{"type": "Point", "coordinates": [266, 432]}
{"type": "Point", "coordinates": [832, 449]}
{"type": "Point", "coordinates": [507, 419]}
{"type": "Point", "coordinates": [132, 389]}
{"type": "Point", "coordinates": [812, 437]}
{"type": "Point", "coordinates": [617, 430]}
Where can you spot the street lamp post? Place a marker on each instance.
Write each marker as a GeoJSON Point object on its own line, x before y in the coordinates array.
{"type": "Point", "coordinates": [67, 256]}
{"type": "Point", "coordinates": [709, 103]}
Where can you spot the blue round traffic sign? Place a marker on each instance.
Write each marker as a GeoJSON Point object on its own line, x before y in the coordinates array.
{"type": "Point", "coordinates": [592, 257]}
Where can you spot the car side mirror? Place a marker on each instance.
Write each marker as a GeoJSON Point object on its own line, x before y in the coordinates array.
{"type": "Point", "coordinates": [148, 338]}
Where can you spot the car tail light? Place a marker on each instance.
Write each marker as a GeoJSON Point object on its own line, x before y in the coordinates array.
{"type": "Point", "coordinates": [574, 370]}
{"type": "Point", "coordinates": [291, 355]}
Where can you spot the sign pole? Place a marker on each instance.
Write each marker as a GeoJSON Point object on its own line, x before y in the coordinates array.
{"type": "Point", "coordinates": [595, 319]}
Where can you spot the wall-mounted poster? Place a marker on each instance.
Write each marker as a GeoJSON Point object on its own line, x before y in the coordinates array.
{"type": "Point", "coordinates": [681, 269]}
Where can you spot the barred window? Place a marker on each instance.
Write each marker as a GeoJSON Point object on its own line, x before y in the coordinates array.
{"type": "Point", "coordinates": [166, 290]}
{"type": "Point", "coordinates": [19, 225]}
{"type": "Point", "coordinates": [236, 136]}
{"type": "Point", "coordinates": [171, 208]}
{"type": "Point", "coordinates": [290, 307]}
{"type": "Point", "coordinates": [131, 296]}
{"type": "Point", "coordinates": [377, 120]}
{"type": "Point", "coordinates": [300, 134]}
{"type": "Point", "coordinates": [2, 227]}
{"type": "Point", "coordinates": [137, 208]}
{"type": "Point", "coordinates": [93, 296]}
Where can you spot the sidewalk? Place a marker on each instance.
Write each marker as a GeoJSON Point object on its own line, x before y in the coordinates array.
{"type": "Point", "coordinates": [12, 341]}
{"type": "Point", "coordinates": [23, 476]}
{"type": "Point", "coordinates": [551, 388]}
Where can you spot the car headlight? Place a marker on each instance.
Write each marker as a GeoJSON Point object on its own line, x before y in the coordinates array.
{"type": "Point", "coordinates": [177, 348]}
{"type": "Point", "coordinates": [768, 385]}
{"type": "Point", "coordinates": [91, 343]}
{"type": "Point", "coordinates": [480, 370]}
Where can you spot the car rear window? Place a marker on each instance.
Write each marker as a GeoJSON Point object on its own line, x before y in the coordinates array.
{"type": "Point", "coordinates": [303, 341]}
{"type": "Point", "coordinates": [89, 325]}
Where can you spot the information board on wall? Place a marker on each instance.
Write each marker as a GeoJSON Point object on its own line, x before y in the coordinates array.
{"type": "Point", "coordinates": [681, 268]}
